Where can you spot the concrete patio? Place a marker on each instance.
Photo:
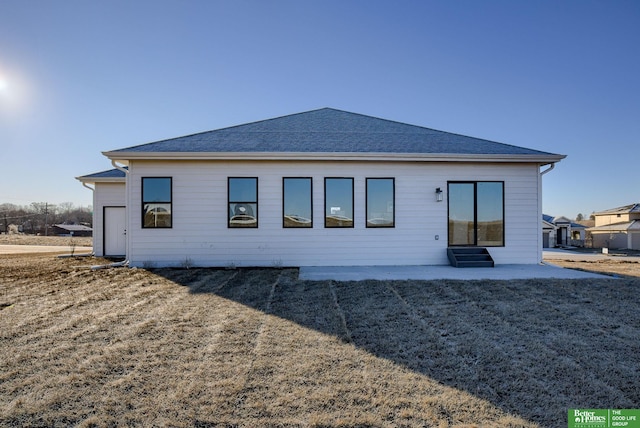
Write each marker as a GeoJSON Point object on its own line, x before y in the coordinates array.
{"type": "Point", "coordinates": [427, 272]}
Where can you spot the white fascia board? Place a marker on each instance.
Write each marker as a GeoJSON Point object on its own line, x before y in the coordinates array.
{"type": "Point", "coordinates": [542, 159]}
{"type": "Point", "coordinates": [92, 180]}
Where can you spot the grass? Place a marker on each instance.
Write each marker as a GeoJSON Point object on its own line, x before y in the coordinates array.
{"type": "Point", "coordinates": [616, 268]}
{"type": "Point", "coordinates": [63, 241]}
{"type": "Point", "coordinates": [258, 347]}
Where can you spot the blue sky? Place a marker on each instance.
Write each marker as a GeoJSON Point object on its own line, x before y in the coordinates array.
{"type": "Point", "coordinates": [81, 77]}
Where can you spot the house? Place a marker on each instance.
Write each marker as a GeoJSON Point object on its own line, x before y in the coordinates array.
{"type": "Point", "coordinates": [109, 220]}
{"type": "Point", "coordinates": [617, 228]}
{"type": "Point", "coordinates": [323, 187]}
{"type": "Point", "coordinates": [561, 232]}
{"type": "Point", "coordinates": [71, 230]}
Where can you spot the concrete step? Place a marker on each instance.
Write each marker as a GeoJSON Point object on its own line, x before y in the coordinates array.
{"type": "Point", "coordinates": [470, 257]}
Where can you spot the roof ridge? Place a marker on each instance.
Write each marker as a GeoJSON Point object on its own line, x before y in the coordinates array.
{"type": "Point", "coordinates": [397, 122]}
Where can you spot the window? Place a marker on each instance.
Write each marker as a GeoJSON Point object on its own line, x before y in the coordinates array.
{"type": "Point", "coordinates": [338, 202]}
{"type": "Point", "coordinates": [380, 202]}
{"type": "Point", "coordinates": [476, 213]}
{"type": "Point", "coordinates": [297, 208]}
{"type": "Point", "coordinates": [243, 202]}
{"type": "Point", "coordinates": [156, 202]}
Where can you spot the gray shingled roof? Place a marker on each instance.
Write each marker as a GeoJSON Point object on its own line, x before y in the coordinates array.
{"type": "Point", "coordinates": [552, 220]}
{"type": "Point", "coordinates": [111, 173]}
{"type": "Point", "coordinates": [329, 131]}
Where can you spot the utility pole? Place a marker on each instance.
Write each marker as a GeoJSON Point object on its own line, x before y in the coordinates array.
{"type": "Point", "coordinates": [46, 218]}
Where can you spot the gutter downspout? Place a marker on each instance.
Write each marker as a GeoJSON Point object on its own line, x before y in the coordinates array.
{"type": "Point", "coordinates": [120, 168]}
{"type": "Point", "coordinates": [125, 262]}
{"type": "Point", "coordinates": [553, 165]}
{"type": "Point", "coordinates": [540, 174]}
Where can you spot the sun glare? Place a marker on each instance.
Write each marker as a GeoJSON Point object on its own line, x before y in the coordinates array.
{"type": "Point", "coordinates": [14, 93]}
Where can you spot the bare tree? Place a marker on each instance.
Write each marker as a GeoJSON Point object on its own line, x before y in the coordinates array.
{"type": "Point", "coordinates": [65, 210]}
{"type": "Point", "coordinates": [37, 217]}
{"type": "Point", "coordinates": [14, 214]}
{"type": "Point", "coordinates": [40, 219]}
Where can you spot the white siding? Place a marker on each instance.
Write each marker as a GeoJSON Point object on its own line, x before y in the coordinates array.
{"type": "Point", "coordinates": [201, 236]}
{"type": "Point", "coordinates": [104, 195]}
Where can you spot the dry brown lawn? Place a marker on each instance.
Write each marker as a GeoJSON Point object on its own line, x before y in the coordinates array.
{"type": "Point", "coordinates": [64, 241]}
{"type": "Point", "coordinates": [258, 347]}
{"type": "Point", "coordinates": [613, 267]}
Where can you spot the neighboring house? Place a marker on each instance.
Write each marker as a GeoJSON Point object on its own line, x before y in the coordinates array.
{"type": "Point", "coordinates": [548, 232]}
{"type": "Point", "coordinates": [617, 228]}
{"type": "Point", "coordinates": [71, 230]}
{"type": "Point", "coordinates": [324, 187]}
{"type": "Point", "coordinates": [561, 232]}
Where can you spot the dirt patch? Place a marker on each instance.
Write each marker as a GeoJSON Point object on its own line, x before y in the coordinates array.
{"type": "Point", "coordinates": [258, 347]}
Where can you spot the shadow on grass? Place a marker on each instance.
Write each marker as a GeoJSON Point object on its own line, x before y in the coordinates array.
{"type": "Point", "coordinates": [534, 348]}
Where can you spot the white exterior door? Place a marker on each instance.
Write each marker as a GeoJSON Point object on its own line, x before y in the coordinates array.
{"type": "Point", "coordinates": [115, 239]}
